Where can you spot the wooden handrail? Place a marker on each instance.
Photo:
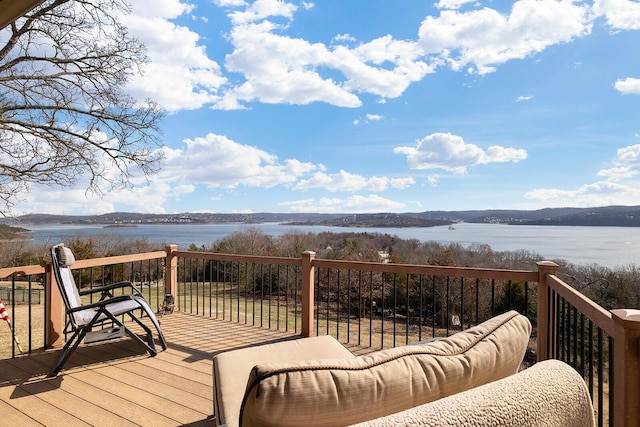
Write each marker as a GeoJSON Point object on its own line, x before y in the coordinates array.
{"type": "Point", "coordinates": [431, 270]}
{"type": "Point", "coordinates": [584, 305]}
{"type": "Point", "coordinates": [120, 259]}
{"type": "Point", "coordinates": [27, 270]}
{"type": "Point", "coordinates": [254, 259]}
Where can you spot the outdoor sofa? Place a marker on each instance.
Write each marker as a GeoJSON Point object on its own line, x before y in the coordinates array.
{"type": "Point", "coordinates": [470, 378]}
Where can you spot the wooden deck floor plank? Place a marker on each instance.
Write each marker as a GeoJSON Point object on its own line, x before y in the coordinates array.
{"type": "Point", "coordinates": [60, 394]}
{"type": "Point", "coordinates": [148, 391]}
{"type": "Point", "coordinates": [118, 351]}
{"type": "Point", "coordinates": [74, 386]}
{"type": "Point", "coordinates": [203, 378]}
{"type": "Point", "coordinates": [165, 369]}
{"type": "Point", "coordinates": [103, 359]}
{"type": "Point", "coordinates": [180, 396]}
{"type": "Point", "coordinates": [39, 410]}
{"type": "Point", "coordinates": [131, 402]}
{"type": "Point", "coordinates": [194, 362]}
{"type": "Point", "coordinates": [17, 418]}
{"type": "Point", "coordinates": [200, 362]}
{"type": "Point", "coordinates": [172, 381]}
{"type": "Point", "coordinates": [117, 383]}
{"type": "Point", "coordinates": [192, 357]}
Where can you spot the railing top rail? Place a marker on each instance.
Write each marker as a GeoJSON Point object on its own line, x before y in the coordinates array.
{"type": "Point", "coordinates": [239, 258]}
{"type": "Point", "coordinates": [600, 316]}
{"type": "Point", "coordinates": [26, 270]}
{"type": "Point", "coordinates": [120, 259]}
{"type": "Point", "coordinates": [431, 270]}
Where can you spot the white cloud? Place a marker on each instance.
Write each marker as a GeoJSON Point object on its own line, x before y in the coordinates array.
{"type": "Point", "coordinates": [344, 181]}
{"type": "Point", "coordinates": [371, 204]}
{"type": "Point", "coordinates": [229, 3]}
{"type": "Point", "coordinates": [384, 66]}
{"type": "Point", "coordinates": [166, 9]}
{"type": "Point", "coordinates": [324, 205]}
{"type": "Point", "coordinates": [235, 164]}
{"type": "Point", "coordinates": [280, 69]}
{"type": "Point", "coordinates": [601, 193]}
{"type": "Point", "coordinates": [180, 74]}
{"type": "Point", "coordinates": [452, 4]}
{"type": "Point", "coordinates": [432, 180]}
{"type": "Point", "coordinates": [620, 188]}
{"type": "Point", "coordinates": [626, 165]}
{"type": "Point", "coordinates": [369, 118]}
{"type": "Point", "coordinates": [141, 195]}
{"type": "Point", "coordinates": [340, 38]}
{"type": "Point", "coordinates": [628, 86]}
{"type": "Point", "coordinates": [43, 199]}
{"type": "Point", "coordinates": [145, 198]}
{"type": "Point", "coordinates": [353, 204]}
{"type": "Point", "coordinates": [479, 40]}
{"type": "Point", "coordinates": [450, 152]}
{"type": "Point", "coordinates": [179, 190]}
{"type": "Point", "coordinates": [401, 183]}
{"type": "Point", "coordinates": [524, 98]}
{"type": "Point", "coordinates": [275, 68]}
{"type": "Point", "coordinates": [213, 161]}
{"type": "Point", "coordinates": [261, 9]}
{"type": "Point", "coordinates": [620, 14]}
{"type": "Point", "coordinates": [271, 67]}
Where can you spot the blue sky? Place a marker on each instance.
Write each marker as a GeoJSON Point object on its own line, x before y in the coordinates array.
{"type": "Point", "coordinates": [384, 106]}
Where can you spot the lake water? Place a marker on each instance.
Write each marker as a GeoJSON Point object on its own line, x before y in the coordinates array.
{"type": "Point", "coordinates": [607, 246]}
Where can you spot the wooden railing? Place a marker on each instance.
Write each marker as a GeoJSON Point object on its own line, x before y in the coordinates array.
{"type": "Point", "coordinates": [598, 343]}
{"type": "Point", "coordinates": [352, 300]}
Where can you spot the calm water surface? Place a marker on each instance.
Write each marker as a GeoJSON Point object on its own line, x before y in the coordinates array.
{"type": "Point", "coordinates": [607, 246]}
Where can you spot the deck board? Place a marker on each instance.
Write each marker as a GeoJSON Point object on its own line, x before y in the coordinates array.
{"type": "Point", "coordinates": [117, 383]}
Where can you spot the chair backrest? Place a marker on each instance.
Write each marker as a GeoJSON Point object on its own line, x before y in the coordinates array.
{"type": "Point", "coordinates": [62, 259]}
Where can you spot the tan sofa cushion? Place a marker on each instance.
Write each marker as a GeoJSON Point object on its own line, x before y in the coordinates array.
{"type": "Point", "coordinates": [350, 390]}
{"type": "Point", "coordinates": [231, 369]}
{"type": "Point", "coordinates": [551, 393]}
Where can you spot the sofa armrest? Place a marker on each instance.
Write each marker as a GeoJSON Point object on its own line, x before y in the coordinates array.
{"type": "Point", "coordinates": [231, 369]}
{"type": "Point", "coordinates": [550, 393]}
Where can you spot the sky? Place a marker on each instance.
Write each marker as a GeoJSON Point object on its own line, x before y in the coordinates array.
{"type": "Point", "coordinates": [339, 106]}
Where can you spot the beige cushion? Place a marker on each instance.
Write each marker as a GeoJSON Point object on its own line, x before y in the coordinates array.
{"type": "Point", "coordinates": [231, 369]}
{"type": "Point", "coordinates": [551, 393]}
{"type": "Point", "coordinates": [350, 390]}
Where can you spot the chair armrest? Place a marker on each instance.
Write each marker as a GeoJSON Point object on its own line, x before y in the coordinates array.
{"type": "Point", "coordinates": [104, 302]}
{"type": "Point", "coordinates": [106, 290]}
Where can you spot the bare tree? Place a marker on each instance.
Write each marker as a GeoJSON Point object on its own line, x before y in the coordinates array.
{"type": "Point", "coordinates": [64, 111]}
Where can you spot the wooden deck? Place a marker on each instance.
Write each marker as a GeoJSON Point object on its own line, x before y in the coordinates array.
{"type": "Point", "coordinates": [117, 384]}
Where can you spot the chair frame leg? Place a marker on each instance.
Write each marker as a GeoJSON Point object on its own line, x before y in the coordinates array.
{"type": "Point", "coordinates": [80, 333]}
{"type": "Point", "coordinates": [68, 349]}
{"type": "Point", "coordinates": [150, 344]}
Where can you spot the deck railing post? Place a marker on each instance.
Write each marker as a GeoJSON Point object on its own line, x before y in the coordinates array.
{"type": "Point", "coordinates": [307, 293]}
{"type": "Point", "coordinates": [545, 268]}
{"type": "Point", "coordinates": [54, 310]}
{"type": "Point", "coordinates": [626, 371]}
{"type": "Point", "coordinates": [171, 272]}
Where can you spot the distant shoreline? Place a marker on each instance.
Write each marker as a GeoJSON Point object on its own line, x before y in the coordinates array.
{"type": "Point", "coordinates": [607, 216]}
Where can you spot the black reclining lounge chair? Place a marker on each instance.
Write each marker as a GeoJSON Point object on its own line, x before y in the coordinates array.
{"type": "Point", "coordinates": [107, 311]}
